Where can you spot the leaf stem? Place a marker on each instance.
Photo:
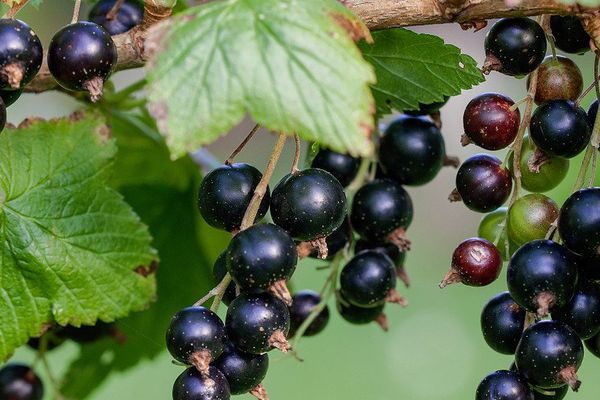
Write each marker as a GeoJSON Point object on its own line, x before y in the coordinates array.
{"type": "Point", "coordinates": [241, 146]}
{"type": "Point", "coordinates": [296, 160]}
{"type": "Point", "coordinates": [76, 10]}
{"type": "Point", "coordinates": [550, 37]}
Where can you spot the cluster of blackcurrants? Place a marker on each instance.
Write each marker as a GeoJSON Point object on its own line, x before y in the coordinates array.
{"type": "Point", "coordinates": [553, 301]}
{"type": "Point", "coordinates": [81, 56]}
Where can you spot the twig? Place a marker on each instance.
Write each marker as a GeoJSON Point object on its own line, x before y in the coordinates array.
{"type": "Point", "coordinates": [296, 160]}
{"type": "Point", "coordinates": [241, 146]}
{"type": "Point", "coordinates": [550, 37]}
{"type": "Point", "coordinates": [76, 10]}
{"type": "Point", "coordinates": [112, 13]}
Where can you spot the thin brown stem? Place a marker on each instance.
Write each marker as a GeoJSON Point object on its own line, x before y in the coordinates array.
{"type": "Point", "coordinates": [16, 8]}
{"type": "Point", "coordinates": [241, 146]}
{"type": "Point", "coordinates": [550, 37]}
{"type": "Point", "coordinates": [76, 10]}
{"type": "Point", "coordinates": [296, 160]}
{"type": "Point", "coordinates": [112, 13]}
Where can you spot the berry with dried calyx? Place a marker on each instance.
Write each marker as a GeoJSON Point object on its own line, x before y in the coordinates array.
{"type": "Point", "coordinates": [475, 262]}
{"type": "Point", "coordinates": [489, 121]}
{"type": "Point", "coordinates": [21, 54]}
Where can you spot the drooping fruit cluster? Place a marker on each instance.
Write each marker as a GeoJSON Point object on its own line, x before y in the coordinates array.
{"type": "Point", "coordinates": [553, 300]}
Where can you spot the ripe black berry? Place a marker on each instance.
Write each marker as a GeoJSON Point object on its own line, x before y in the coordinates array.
{"type": "Point", "coordinates": [412, 150]}
{"type": "Point", "coordinates": [560, 128]}
{"type": "Point", "coordinates": [343, 166]}
{"type": "Point", "coordinates": [502, 322]}
{"type": "Point", "coordinates": [243, 371]}
{"type": "Point", "coordinates": [260, 256]}
{"type": "Point", "coordinates": [489, 121]}
{"type": "Point", "coordinates": [10, 96]}
{"type": "Point", "coordinates": [397, 256]}
{"type": "Point", "coordinates": [592, 112]}
{"type": "Point", "coordinates": [257, 323]}
{"type": "Point", "coordinates": [336, 242]}
{"type": "Point", "coordinates": [428, 109]}
{"type": "Point", "coordinates": [369, 279]}
{"type": "Point", "coordinates": [579, 223]}
{"type": "Point", "coordinates": [81, 57]}
{"type": "Point", "coordinates": [514, 46]}
{"type": "Point", "coordinates": [504, 385]}
{"type": "Point", "coordinates": [530, 217]}
{"type": "Point", "coordinates": [219, 271]}
{"type": "Point", "coordinates": [88, 333]}
{"type": "Point", "coordinates": [569, 34]}
{"type": "Point", "coordinates": [21, 54]}
{"type": "Point", "coordinates": [192, 385]}
{"type": "Point", "coordinates": [196, 336]}
{"type": "Point", "coordinates": [381, 212]}
{"type": "Point", "coordinates": [482, 183]}
{"type": "Point", "coordinates": [542, 275]}
{"type": "Point", "coordinates": [303, 303]}
{"type": "Point", "coordinates": [549, 355]}
{"type": "Point", "coordinates": [361, 315]}
{"type": "Point", "coordinates": [582, 313]}
{"type": "Point", "coordinates": [19, 382]}
{"type": "Point", "coordinates": [309, 204]}
{"type": "Point", "coordinates": [129, 14]}
{"type": "Point", "coordinates": [475, 262]}
{"type": "Point", "coordinates": [225, 193]}
{"type": "Point", "coordinates": [589, 268]}
{"type": "Point", "coordinates": [559, 78]}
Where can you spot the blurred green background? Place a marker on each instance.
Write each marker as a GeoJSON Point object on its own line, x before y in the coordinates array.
{"type": "Point", "coordinates": [434, 349]}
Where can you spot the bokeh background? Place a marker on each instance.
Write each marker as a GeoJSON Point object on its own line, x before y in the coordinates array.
{"type": "Point", "coordinates": [434, 349]}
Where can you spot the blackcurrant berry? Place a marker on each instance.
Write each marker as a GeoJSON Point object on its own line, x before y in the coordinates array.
{"type": "Point", "coordinates": [192, 385]}
{"type": "Point", "coordinates": [553, 394]}
{"type": "Point", "coordinates": [303, 304]}
{"type": "Point", "coordinates": [492, 227]}
{"type": "Point", "coordinates": [560, 128]}
{"type": "Point", "coordinates": [336, 242]}
{"type": "Point", "coordinates": [559, 78]}
{"type": "Point", "coordinates": [475, 262]}
{"type": "Point", "coordinates": [593, 345]}
{"type": "Point", "coordinates": [428, 109]}
{"type": "Point", "coordinates": [129, 14]}
{"type": "Point", "coordinates": [21, 54]}
{"type": "Point", "coordinates": [530, 218]}
{"type": "Point", "coordinates": [258, 322]}
{"type": "Point", "coordinates": [88, 334]}
{"type": "Point", "coordinates": [582, 313]}
{"type": "Point", "coordinates": [10, 96]}
{"type": "Point", "coordinates": [569, 34]}
{"type": "Point", "coordinates": [540, 172]}
{"type": "Point", "coordinates": [514, 46]}
{"type": "Point", "coordinates": [51, 339]}
{"type": "Point", "coordinates": [482, 183]}
{"type": "Point", "coordinates": [226, 192]}
{"type": "Point", "coordinates": [343, 166]}
{"type": "Point", "coordinates": [261, 256]}
{"type": "Point", "coordinates": [196, 336]}
{"type": "Point", "coordinates": [361, 315]}
{"type": "Point", "coordinates": [219, 272]}
{"type": "Point", "coordinates": [549, 355]}
{"type": "Point", "coordinates": [502, 322]}
{"type": "Point", "coordinates": [490, 122]}
{"type": "Point", "coordinates": [504, 385]}
{"type": "Point", "coordinates": [541, 276]}
{"type": "Point", "coordinates": [589, 268]}
{"type": "Point", "coordinates": [19, 382]}
{"type": "Point", "coordinates": [397, 256]}
{"type": "Point", "coordinates": [81, 57]}
{"type": "Point", "coordinates": [243, 371]}
{"type": "Point", "coordinates": [579, 222]}
{"type": "Point", "coordinates": [369, 279]}
{"type": "Point", "coordinates": [309, 204]}
{"type": "Point", "coordinates": [592, 112]}
{"type": "Point", "coordinates": [381, 212]}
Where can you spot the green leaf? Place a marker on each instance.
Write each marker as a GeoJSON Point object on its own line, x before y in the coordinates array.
{"type": "Point", "coordinates": [187, 246]}
{"type": "Point", "coordinates": [414, 68]}
{"type": "Point", "coordinates": [291, 65]}
{"type": "Point", "coordinates": [70, 246]}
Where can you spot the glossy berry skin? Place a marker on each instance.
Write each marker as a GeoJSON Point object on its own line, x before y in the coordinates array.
{"type": "Point", "coordinates": [309, 204]}
{"type": "Point", "coordinates": [343, 167]}
{"type": "Point", "coordinates": [303, 303]}
{"type": "Point", "coordinates": [569, 34]}
{"type": "Point", "coordinates": [504, 385]}
{"type": "Point", "coordinates": [589, 268]}
{"type": "Point", "coordinates": [554, 394]}
{"type": "Point", "coordinates": [243, 371]}
{"type": "Point", "coordinates": [592, 112]}
{"type": "Point", "coordinates": [19, 382]}
{"type": "Point", "coordinates": [582, 313]}
{"type": "Point", "coordinates": [475, 262]}
{"type": "Point", "coordinates": [20, 49]}
{"type": "Point", "coordinates": [379, 208]}
{"type": "Point", "coordinates": [530, 218]}
{"type": "Point", "coordinates": [219, 272]}
{"type": "Point", "coordinates": [560, 128]}
{"type": "Point", "coordinates": [336, 241]}
{"type": "Point", "coordinates": [412, 151]}
{"type": "Point", "coordinates": [502, 322]}
{"type": "Point", "coordinates": [579, 223]}
{"type": "Point", "coordinates": [130, 14]}
{"type": "Point", "coordinates": [593, 345]}
{"type": "Point", "coordinates": [392, 251]}
{"type": "Point", "coordinates": [515, 46]}
{"type": "Point", "coordinates": [542, 275]}
{"type": "Point", "coordinates": [547, 349]}
{"type": "Point", "coordinates": [558, 79]}
{"type": "Point", "coordinates": [10, 96]}
{"type": "Point", "coordinates": [489, 122]}
{"type": "Point", "coordinates": [359, 315]}
{"type": "Point", "coordinates": [491, 226]}
{"type": "Point", "coordinates": [252, 319]}
{"type": "Point", "coordinates": [81, 56]}
{"type": "Point", "coordinates": [195, 329]}
{"type": "Point", "coordinates": [191, 385]}
{"type": "Point", "coordinates": [367, 279]}
{"type": "Point", "coordinates": [225, 193]}
{"type": "Point", "coordinates": [260, 256]}
{"type": "Point", "coordinates": [483, 183]}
